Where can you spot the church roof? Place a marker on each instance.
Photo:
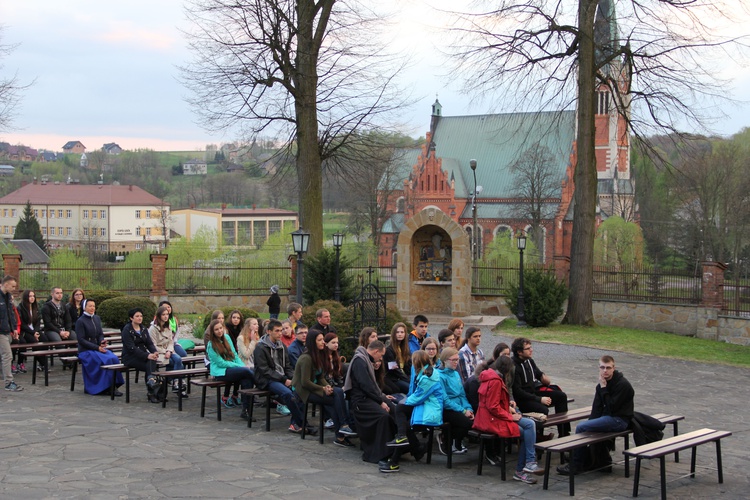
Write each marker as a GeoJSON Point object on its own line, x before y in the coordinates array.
{"type": "Point", "coordinates": [403, 159]}
{"type": "Point", "coordinates": [487, 210]}
{"type": "Point", "coordinates": [496, 142]}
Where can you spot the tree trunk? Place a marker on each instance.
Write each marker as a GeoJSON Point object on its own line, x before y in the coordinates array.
{"type": "Point", "coordinates": [580, 309]}
{"type": "Point", "coordinates": [309, 164]}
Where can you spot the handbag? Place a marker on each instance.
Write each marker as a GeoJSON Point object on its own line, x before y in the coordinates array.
{"type": "Point", "coordinates": [536, 416]}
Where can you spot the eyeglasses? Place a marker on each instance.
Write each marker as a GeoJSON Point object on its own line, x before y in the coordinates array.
{"type": "Point", "coordinates": [453, 360]}
{"type": "Point", "coordinates": [528, 348]}
{"type": "Point", "coordinates": [433, 348]}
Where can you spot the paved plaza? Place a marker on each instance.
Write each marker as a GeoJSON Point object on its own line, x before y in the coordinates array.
{"type": "Point", "coordinates": [60, 444]}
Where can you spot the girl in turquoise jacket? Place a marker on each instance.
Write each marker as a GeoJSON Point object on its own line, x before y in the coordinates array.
{"type": "Point", "coordinates": [457, 410]}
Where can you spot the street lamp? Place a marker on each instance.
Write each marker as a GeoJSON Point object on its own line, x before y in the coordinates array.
{"type": "Point", "coordinates": [474, 252]}
{"type": "Point", "coordinates": [300, 242]}
{"type": "Point", "coordinates": [338, 241]}
{"type": "Point", "coordinates": [521, 242]}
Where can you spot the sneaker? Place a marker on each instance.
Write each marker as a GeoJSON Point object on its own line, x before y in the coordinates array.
{"type": "Point", "coordinates": [494, 459]}
{"type": "Point", "coordinates": [387, 466]}
{"type": "Point", "coordinates": [441, 445]}
{"type": "Point", "coordinates": [459, 451]}
{"type": "Point", "coordinates": [14, 369]}
{"type": "Point", "coordinates": [347, 431]}
{"type": "Point", "coordinates": [227, 402]}
{"type": "Point", "coordinates": [328, 424]}
{"type": "Point", "coordinates": [282, 410]}
{"type": "Point", "coordinates": [523, 477]}
{"type": "Point", "coordinates": [22, 367]}
{"type": "Point", "coordinates": [13, 387]}
{"type": "Point", "coordinates": [176, 386]}
{"type": "Point", "coordinates": [245, 415]}
{"type": "Point", "coordinates": [311, 431]}
{"type": "Point", "coordinates": [343, 442]}
{"type": "Point", "coordinates": [295, 429]}
{"type": "Point", "coordinates": [533, 468]}
{"type": "Point", "coordinates": [237, 400]}
{"type": "Point", "coordinates": [398, 441]}
{"type": "Point", "coordinates": [564, 469]}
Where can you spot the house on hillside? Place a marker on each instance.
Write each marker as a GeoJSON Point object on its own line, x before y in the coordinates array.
{"type": "Point", "coordinates": [48, 156]}
{"type": "Point", "coordinates": [194, 167]}
{"type": "Point", "coordinates": [236, 226]}
{"type": "Point", "coordinates": [234, 167]}
{"type": "Point", "coordinates": [112, 148]}
{"type": "Point", "coordinates": [75, 147]}
{"type": "Point", "coordinates": [19, 153]}
{"type": "Point", "coordinates": [7, 170]}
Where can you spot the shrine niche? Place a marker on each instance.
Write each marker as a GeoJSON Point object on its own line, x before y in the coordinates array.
{"type": "Point", "coordinates": [434, 268]}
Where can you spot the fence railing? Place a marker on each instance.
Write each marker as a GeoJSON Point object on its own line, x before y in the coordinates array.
{"type": "Point", "coordinates": [222, 280]}
{"type": "Point", "coordinates": [495, 277]}
{"type": "Point", "coordinates": [129, 280]}
{"type": "Point", "coordinates": [384, 277]}
{"type": "Point", "coordinates": [736, 299]}
{"type": "Point", "coordinates": [647, 284]}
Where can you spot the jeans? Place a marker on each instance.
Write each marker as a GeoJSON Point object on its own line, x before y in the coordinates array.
{"type": "Point", "coordinates": [528, 437]}
{"type": "Point", "coordinates": [7, 356]}
{"type": "Point", "coordinates": [605, 423]}
{"type": "Point", "coordinates": [244, 376]}
{"type": "Point", "coordinates": [175, 362]}
{"type": "Point", "coordinates": [53, 336]}
{"type": "Point", "coordinates": [179, 350]}
{"type": "Point", "coordinates": [335, 406]}
{"type": "Point", "coordinates": [290, 400]}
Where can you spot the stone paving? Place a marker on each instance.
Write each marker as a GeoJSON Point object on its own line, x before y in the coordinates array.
{"type": "Point", "coordinates": [60, 444]}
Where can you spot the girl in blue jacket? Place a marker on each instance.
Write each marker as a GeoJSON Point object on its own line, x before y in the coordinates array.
{"type": "Point", "coordinates": [457, 410]}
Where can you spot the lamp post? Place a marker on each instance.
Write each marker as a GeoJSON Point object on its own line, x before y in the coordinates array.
{"type": "Point", "coordinates": [300, 242]}
{"type": "Point", "coordinates": [474, 252]}
{"type": "Point", "coordinates": [521, 242]}
{"type": "Point", "coordinates": [338, 241]}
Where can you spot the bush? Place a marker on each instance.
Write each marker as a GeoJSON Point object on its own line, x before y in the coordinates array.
{"type": "Point", "coordinates": [114, 311]}
{"type": "Point", "coordinates": [543, 297]}
{"type": "Point", "coordinates": [246, 313]}
{"type": "Point", "coordinates": [320, 278]}
{"type": "Point", "coordinates": [100, 296]}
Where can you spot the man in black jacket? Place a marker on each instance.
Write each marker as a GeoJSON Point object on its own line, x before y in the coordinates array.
{"type": "Point", "coordinates": [611, 411]}
{"type": "Point", "coordinates": [53, 317]}
{"type": "Point", "coordinates": [532, 388]}
{"type": "Point", "coordinates": [8, 328]}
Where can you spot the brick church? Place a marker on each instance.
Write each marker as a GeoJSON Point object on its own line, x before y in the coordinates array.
{"type": "Point", "coordinates": [439, 176]}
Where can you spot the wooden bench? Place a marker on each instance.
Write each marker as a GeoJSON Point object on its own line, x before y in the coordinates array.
{"type": "Point", "coordinates": [445, 428]}
{"type": "Point", "coordinates": [666, 419]}
{"type": "Point", "coordinates": [204, 384]}
{"type": "Point", "coordinates": [124, 370]}
{"type": "Point", "coordinates": [259, 393]}
{"type": "Point", "coordinates": [39, 354]}
{"type": "Point", "coordinates": [575, 441]}
{"type": "Point", "coordinates": [484, 438]}
{"type": "Point", "coordinates": [179, 374]}
{"type": "Point", "coordinates": [660, 449]}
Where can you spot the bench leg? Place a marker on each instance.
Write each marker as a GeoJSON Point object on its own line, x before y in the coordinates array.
{"type": "Point", "coordinates": [250, 412]}
{"type": "Point", "coordinates": [692, 462]}
{"type": "Point", "coordinates": [627, 462]}
{"type": "Point", "coordinates": [179, 395]}
{"type": "Point", "coordinates": [33, 371]}
{"type": "Point", "coordinates": [112, 386]}
{"type": "Point", "coordinates": [571, 480]}
{"type": "Point", "coordinates": [127, 386]}
{"type": "Point", "coordinates": [322, 426]}
{"type": "Point", "coordinates": [46, 373]}
{"type": "Point", "coordinates": [268, 413]}
{"type": "Point", "coordinates": [430, 441]}
{"type": "Point", "coordinates": [203, 401]}
{"type": "Point", "coordinates": [663, 476]}
{"type": "Point", "coordinates": [547, 465]}
{"type": "Point", "coordinates": [674, 433]}
{"type": "Point", "coordinates": [218, 402]}
{"type": "Point", "coordinates": [637, 477]}
{"type": "Point", "coordinates": [304, 421]}
{"type": "Point", "coordinates": [481, 457]}
{"type": "Point", "coordinates": [73, 371]}
{"type": "Point", "coordinates": [718, 461]}
{"type": "Point", "coordinates": [503, 464]}
{"type": "Point", "coordinates": [449, 439]}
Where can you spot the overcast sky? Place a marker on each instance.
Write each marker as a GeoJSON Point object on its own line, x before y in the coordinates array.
{"type": "Point", "coordinates": [106, 71]}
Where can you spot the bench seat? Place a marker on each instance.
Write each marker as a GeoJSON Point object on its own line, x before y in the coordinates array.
{"type": "Point", "coordinates": [180, 374]}
{"type": "Point", "coordinates": [259, 393]}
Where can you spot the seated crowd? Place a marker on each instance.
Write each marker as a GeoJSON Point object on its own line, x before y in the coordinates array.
{"type": "Point", "coordinates": [386, 395]}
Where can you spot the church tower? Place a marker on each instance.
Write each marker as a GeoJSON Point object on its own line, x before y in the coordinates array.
{"type": "Point", "coordinates": [616, 189]}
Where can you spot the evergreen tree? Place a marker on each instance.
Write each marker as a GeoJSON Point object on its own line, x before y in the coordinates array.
{"type": "Point", "coordinates": [28, 228]}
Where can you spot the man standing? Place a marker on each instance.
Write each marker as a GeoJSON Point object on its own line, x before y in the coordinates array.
{"type": "Point", "coordinates": [532, 388]}
{"type": "Point", "coordinates": [611, 412]}
{"type": "Point", "coordinates": [372, 410]}
{"type": "Point", "coordinates": [324, 322]}
{"type": "Point", "coordinates": [419, 333]}
{"type": "Point", "coordinates": [53, 316]}
{"type": "Point", "coordinates": [273, 372]}
{"type": "Point", "coordinates": [8, 328]}
{"type": "Point", "coordinates": [294, 311]}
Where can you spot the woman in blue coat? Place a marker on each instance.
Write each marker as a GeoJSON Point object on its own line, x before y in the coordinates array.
{"type": "Point", "coordinates": [93, 353]}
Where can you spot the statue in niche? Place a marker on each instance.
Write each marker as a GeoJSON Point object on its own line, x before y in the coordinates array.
{"type": "Point", "coordinates": [435, 260]}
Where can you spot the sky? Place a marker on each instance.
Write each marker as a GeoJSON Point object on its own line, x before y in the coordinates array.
{"type": "Point", "coordinates": [107, 71]}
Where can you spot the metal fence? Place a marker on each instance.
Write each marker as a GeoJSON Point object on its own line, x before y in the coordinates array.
{"type": "Point", "coordinates": [223, 280]}
{"type": "Point", "coordinates": [736, 299]}
{"type": "Point", "coordinates": [647, 284]}
{"type": "Point", "coordinates": [129, 280]}
{"type": "Point", "coordinates": [495, 277]}
{"type": "Point", "coordinates": [384, 277]}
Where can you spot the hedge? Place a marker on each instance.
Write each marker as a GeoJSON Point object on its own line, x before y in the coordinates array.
{"type": "Point", "coordinates": [114, 311]}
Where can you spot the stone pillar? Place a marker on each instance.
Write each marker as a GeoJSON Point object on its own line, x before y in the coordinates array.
{"type": "Point", "coordinates": [712, 283]}
{"type": "Point", "coordinates": [11, 264]}
{"type": "Point", "coordinates": [562, 268]}
{"type": "Point", "coordinates": [158, 275]}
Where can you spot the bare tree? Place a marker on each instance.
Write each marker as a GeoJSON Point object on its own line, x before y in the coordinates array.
{"type": "Point", "coordinates": [307, 71]}
{"type": "Point", "coordinates": [537, 183]}
{"type": "Point", "coordinates": [10, 90]}
{"type": "Point", "coordinates": [648, 58]}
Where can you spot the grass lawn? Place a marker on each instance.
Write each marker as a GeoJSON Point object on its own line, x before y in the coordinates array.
{"type": "Point", "coordinates": [635, 341]}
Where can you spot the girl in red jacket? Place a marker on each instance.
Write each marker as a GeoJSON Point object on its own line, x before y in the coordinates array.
{"type": "Point", "coordinates": [496, 414]}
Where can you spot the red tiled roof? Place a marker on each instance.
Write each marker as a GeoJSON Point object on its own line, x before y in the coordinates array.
{"type": "Point", "coordinates": [77, 194]}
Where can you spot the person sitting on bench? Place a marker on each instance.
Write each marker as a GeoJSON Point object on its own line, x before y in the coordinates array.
{"type": "Point", "coordinates": [611, 412]}
{"type": "Point", "coordinates": [93, 353]}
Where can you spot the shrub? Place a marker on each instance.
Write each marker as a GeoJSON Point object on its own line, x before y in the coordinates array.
{"type": "Point", "coordinates": [246, 313]}
{"type": "Point", "coordinates": [100, 296]}
{"type": "Point", "coordinates": [320, 278]}
{"type": "Point", "coordinates": [543, 297]}
{"type": "Point", "coordinates": [114, 311]}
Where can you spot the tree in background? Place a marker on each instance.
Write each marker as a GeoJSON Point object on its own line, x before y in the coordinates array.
{"type": "Point", "coordinates": [618, 244]}
{"type": "Point", "coordinates": [28, 228]}
{"type": "Point", "coordinates": [654, 57]}
{"type": "Point", "coordinates": [312, 73]}
{"type": "Point", "coordinates": [320, 278]}
{"type": "Point", "coordinates": [10, 90]}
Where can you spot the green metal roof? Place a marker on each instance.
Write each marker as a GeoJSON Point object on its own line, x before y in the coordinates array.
{"type": "Point", "coordinates": [487, 210]}
{"type": "Point", "coordinates": [394, 224]}
{"type": "Point", "coordinates": [496, 142]}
